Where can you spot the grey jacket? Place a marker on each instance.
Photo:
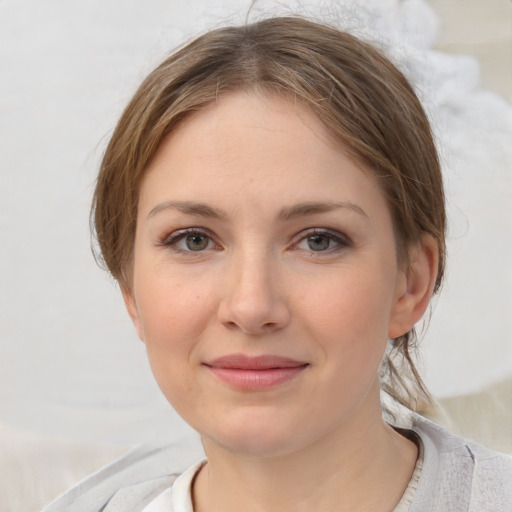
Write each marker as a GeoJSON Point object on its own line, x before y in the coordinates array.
{"type": "Point", "coordinates": [457, 476]}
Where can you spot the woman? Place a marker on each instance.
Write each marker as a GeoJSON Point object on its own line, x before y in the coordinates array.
{"type": "Point", "coordinates": [271, 204]}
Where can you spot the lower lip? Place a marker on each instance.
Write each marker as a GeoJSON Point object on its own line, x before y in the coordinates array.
{"type": "Point", "coordinates": [256, 380]}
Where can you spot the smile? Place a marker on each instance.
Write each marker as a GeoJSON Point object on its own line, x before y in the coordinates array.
{"type": "Point", "coordinates": [255, 373]}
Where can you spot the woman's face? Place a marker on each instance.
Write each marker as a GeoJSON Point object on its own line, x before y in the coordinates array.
{"type": "Point", "coordinates": [265, 279]}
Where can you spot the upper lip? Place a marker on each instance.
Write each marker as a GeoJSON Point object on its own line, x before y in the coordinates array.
{"type": "Point", "coordinates": [264, 362]}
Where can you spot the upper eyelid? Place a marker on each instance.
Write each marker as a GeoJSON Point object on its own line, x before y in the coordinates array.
{"type": "Point", "coordinates": [175, 236]}
{"type": "Point", "coordinates": [322, 231]}
{"type": "Point", "coordinates": [186, 231]}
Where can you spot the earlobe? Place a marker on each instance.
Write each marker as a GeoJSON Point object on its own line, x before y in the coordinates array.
{"type": "Point", "coordinates": [131, 307]}
{"type": "Point", "coordinates": [413, 296]}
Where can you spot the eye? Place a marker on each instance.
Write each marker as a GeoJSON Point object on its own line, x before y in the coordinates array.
{"type": "Point", "coordinates": [321, 241]}
{"type": "Point", "coordinates": [196, 242]}
{"type": "Point", "coordinates": [189, 240]}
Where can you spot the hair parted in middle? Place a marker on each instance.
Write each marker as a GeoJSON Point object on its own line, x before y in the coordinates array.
{"type": "Point", "coordinates": [364, 101]}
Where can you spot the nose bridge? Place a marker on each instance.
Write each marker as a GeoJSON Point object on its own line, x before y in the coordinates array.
{"type": "Point", "coordinates": [254, 301]}
{"type": "Point", "coordinates": [253, 277]}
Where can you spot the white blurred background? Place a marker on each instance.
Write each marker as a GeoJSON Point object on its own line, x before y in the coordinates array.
{"type": "Point", "coordinates": [71, 366]}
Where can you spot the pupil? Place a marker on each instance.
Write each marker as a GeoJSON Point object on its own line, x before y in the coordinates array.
{"type": "Point", "coordinates": [196, 242]}
{"type": "Point", "coordinates": [318, 242]}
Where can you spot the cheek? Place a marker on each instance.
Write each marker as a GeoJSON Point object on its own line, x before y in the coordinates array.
{"type": "Point", "coordinates": [173, 319]}
{"type": "Point", "coordinates": [171, 309]}
{"type": "Point", "coordinates": [349, 319]}
{"type": "Point", "coordinates": [172, 316]}
{"type": "Point", "coordinates": [352, 307]}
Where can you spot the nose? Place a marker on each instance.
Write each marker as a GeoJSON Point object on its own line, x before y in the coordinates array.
{"type": "Point", "coordinates": [254, 298]}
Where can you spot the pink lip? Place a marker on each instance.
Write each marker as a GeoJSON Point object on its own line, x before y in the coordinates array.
{"type": "Point", "coordinates": [255, 373]}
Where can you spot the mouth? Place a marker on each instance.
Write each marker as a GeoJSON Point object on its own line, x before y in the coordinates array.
{"type": "Point", "coordinates": [255, 373]}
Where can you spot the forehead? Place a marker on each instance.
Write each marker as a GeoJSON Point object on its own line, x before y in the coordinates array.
{"type": "Point", "coordinates": [259, 146]}
{"type": "Point", "coordinates": [251, 119]}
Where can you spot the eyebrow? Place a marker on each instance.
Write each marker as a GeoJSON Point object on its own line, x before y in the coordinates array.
{"type": "Point", "coordinates": [303, 209]}
{"type": "Point", "coordinates": [287, 213]}
{"type": "Point", "coordinates": [190, 208]}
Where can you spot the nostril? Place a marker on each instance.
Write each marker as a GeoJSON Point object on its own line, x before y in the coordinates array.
{"type": "Point", "coordinates": [230, 325]}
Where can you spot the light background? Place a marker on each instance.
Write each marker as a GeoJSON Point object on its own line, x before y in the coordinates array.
{"type": "Point", "coordinates": [70, 363]}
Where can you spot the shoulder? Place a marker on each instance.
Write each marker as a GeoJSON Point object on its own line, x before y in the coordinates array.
{"type": "Point", "coordinates": [459, 474]}
{"type": "Point", "coordinates": [129, 483]}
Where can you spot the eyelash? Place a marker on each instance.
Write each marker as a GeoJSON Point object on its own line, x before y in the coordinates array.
{"type": "Point", "coordinates": [341, 240]}
{"type": "Point", "coordinates": [174, 238]}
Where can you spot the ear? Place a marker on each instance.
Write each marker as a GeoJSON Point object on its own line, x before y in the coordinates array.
{"type": "Point", "coordinates": [415, 287]}
{"type": "Point", "coordinates": [131, 307]}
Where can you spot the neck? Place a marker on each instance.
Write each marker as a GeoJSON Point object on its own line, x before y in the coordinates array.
{"type": "Point", "coordinates": [363, 465]}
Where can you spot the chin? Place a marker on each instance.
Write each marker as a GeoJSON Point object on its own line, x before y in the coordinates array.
{"type": "Point", "coordinates": [253, 437]}
{"type": "Point", "coordinates": [260, 446]}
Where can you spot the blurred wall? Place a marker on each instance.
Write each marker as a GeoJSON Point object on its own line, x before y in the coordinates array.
{"type": "Point", "coordinates": [70, 363]}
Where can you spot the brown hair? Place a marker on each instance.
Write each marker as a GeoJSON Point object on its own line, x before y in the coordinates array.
{"type": "Point", "coordinates": [363, 100]}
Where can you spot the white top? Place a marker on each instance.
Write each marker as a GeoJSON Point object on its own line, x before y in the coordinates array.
{"type": "Point", "coordinates": [177, 498]}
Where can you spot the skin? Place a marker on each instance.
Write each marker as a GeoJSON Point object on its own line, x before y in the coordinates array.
{"type": "Point", "coordinates": [258, 285]}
